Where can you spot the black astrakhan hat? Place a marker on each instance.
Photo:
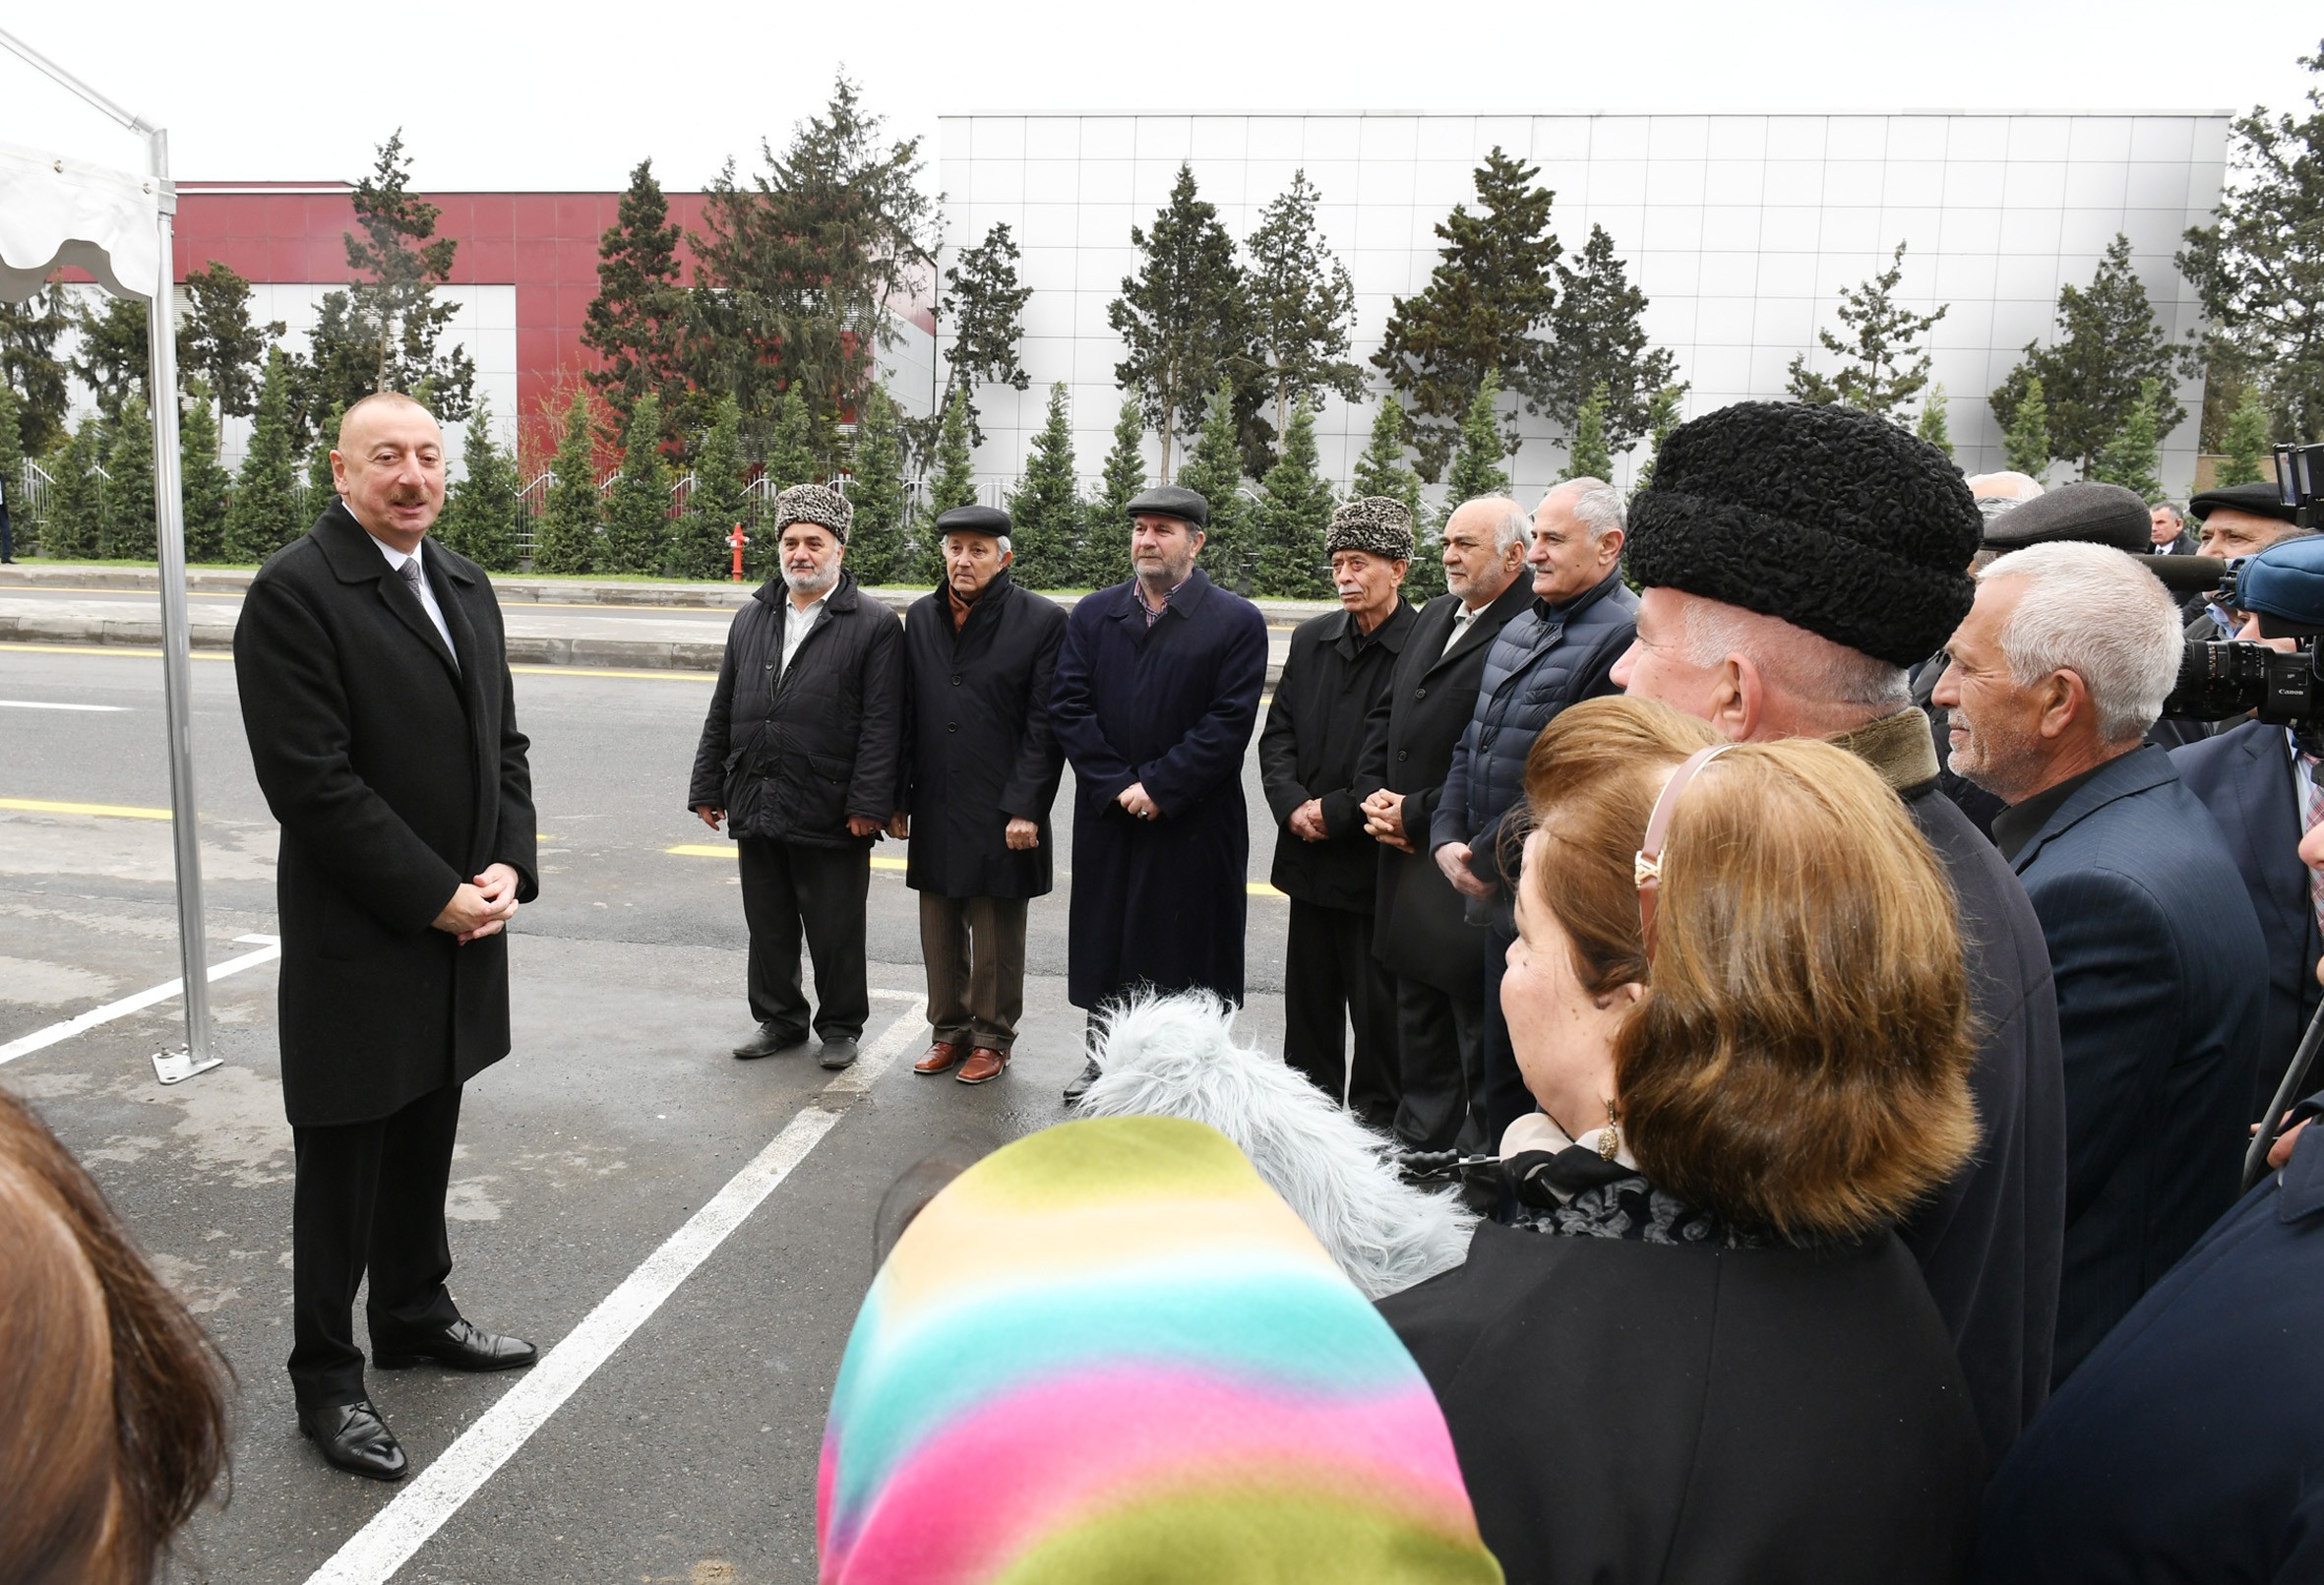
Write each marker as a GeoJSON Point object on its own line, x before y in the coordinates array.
{"type": "Point", "coordinates": [1172, 501]}
{"type": "Point", "coordinates": [2260, 499]}
{"type": "Point", "coordinates": [1830, 519]}
{"type": "Point", "coordinates": [1377, 524]}
{"type": "Point", "coordinates": [2095, 513]}
{"type": "Point", "coordinates": [973, 520]}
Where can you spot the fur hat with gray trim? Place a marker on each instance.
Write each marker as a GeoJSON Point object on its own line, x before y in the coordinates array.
{"type": "Point", "coordinates": [1377, 524]}
{"type": "Point", "coordinates": [1832, 520]}
{"type": "Point", "coordinates": [817, 504]}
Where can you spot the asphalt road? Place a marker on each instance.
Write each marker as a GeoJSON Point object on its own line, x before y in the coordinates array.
{"type": "Point", "coordinates": [689, 1454]}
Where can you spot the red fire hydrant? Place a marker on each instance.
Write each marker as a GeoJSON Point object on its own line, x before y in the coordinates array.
{"type": "Point", "coordinates": [738, 540]}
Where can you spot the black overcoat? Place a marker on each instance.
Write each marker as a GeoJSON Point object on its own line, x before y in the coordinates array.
{"type": "Point", "coordinates": [396, 775]}
{"type": "Point", "coordinates": [978, 749]}
{"type": "Point", "coordinates": [1163, 901]}
{"type": "Point", "coordinates": [792, 758]}
{"type": "Point", "coordinates": [1311, 747]}
{"type": "Point", "coordinates": [1419, 928]}
{"type": "Point", "coordinates": [1626, 1412]}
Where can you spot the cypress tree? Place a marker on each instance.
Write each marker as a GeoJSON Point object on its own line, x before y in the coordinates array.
{"type": "Point", "coordinates": [1382, 470]}
{"type": "Point", "coordinates": [1598, 326]}
{"type": "Point", "coordinates": [2247, 439]}
{"type": "Point", "coordinates": [1215, 472]}
{"type": "Point", "coordinates": [566, 539]}
{"type": "Point", "coordinates": [1185, 318]}
{"type": "Point", "coordinates": [2106, 344]}
{"type": "Point", "coordinates": [638, 512]}
{"type": "Point", "coordinates": [1045, 513]}
{"type": "Point", "coordinates": [322, 484]}
{"type": "Point", "coordinates": [482, 509]}
{"type": "Point", "coordinates": [263, 515]}
{"type": "Point", "coordinates": [791, 460]}
{"type": "Point", "coordinates": [2133, 458]}
{"type": "Point", "coordinates": [636, 321]}
{"type": "Point", "coordinates": [1662, 418]}
{"type": "Point", "coordinates": [205, 483]}
{"type": "Point", "coordinates": [1294, 511]}
{"type": "Point", "coordinates": [985, 304]}
{"type": "Point", "coordinates": [720, 497]}
{"type": "Point", "coordinates": [12, 460]}
{"type": "Point", "coordinates": [1587, 458]}
{"type": "Point", "coordinates": [76, 507]}
{"type": "Point", "coordinates": [1932, 427]}
{"type": "Point", "coordinates": [954, 484]}
{"type": "Point", "coordinates": [876, 540]}
{"type": "Point", "coordinates": [1103, 559]}
{"type": "Point", "coordinates": [128, 526]}
{"type": "Point", "coordinates": [1477, 466]}
{"type": "Point", "coordinates": [2025, 445]}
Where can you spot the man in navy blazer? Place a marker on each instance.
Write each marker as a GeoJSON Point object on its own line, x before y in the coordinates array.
{"type": "Point", "coordinates": [2056, 674]}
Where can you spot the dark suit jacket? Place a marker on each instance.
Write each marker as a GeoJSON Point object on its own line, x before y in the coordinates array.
{"type": "Point", "coordinates": [2153, 944]}
{"type": "Point", "coordinates": [2244, 778]}
{"type": "Point", "coordinates": [396, 776]}
{"type": "Point", "coordinates": [1310, 746]}
{"type": "Point", "coordinates": [1419, 929]}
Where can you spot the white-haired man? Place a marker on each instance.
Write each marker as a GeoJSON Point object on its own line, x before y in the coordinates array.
{"type": "Point", "coordinates": [2056, 674]}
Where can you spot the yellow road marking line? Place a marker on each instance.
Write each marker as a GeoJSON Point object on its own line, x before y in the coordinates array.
{"type": "Point", "coordinates": [126, 654]}
{"type": "Point", "coordinates": [75, 589]}
{"type": "Point", "coordinates": [673, 674]}
{"type": "Point", "coordinates": [44, 806]}
{"type": "Point", "coordinates": [1260, 889]}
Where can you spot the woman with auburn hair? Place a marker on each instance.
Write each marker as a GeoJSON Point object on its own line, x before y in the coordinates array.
{"type": "Point", "coordinates": [1701, 1354]}
{"type": "Point", "coordinates": [112, 1402]}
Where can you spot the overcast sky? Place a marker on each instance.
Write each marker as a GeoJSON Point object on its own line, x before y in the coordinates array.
{"type": "Point", "coordinates": [495, 94]}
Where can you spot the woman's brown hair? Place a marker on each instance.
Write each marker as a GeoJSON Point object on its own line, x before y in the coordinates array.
{"type": "Point", "coordinates": [113, 1403]}
{"type": "Point", "coordinates": [1801, 1060]}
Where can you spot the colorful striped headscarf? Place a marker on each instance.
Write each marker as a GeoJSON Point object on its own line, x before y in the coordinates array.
{"type": "Point", "coordinates": [1109, 1352]}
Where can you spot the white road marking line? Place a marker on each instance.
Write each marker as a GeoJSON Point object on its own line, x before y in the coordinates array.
{"type": "Point", "coordinates": [40, 1039]}
{"type": "Point", "coordinates": [43, 704]}
{"type": "Point", "coordinates": [398, 1531]}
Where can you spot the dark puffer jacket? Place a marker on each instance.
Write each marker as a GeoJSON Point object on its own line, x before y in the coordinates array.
{"type": "Point", "coordinates": [793, 757]}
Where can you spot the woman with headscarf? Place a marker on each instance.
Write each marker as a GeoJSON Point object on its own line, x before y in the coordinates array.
{"type": "Point", "coordinates": [1702, 1354]}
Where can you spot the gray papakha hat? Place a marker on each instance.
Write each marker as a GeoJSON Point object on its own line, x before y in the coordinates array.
{"type": "Point", "coordinates": [817, 504]}
{"type": "Point", "coordinates": [1377, 524]}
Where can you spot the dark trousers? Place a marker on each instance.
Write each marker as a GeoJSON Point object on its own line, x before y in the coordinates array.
{"type": "Point", "coordinates": [1507, 1099]}
{"type": "Point", "coordinates": [787, 886]}
{"type": "Point", "coordinates": [1439, 1053]}
{"type": "Point", "coordinates": [975, 952]}
{"type": "Point", "coordinates": [368, 1196]}
{"type": "Point", "coordinates": [1330, 980]}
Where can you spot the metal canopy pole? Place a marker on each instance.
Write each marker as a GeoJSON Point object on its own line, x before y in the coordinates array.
{"type": "Point", "coordinates": [177, 665]}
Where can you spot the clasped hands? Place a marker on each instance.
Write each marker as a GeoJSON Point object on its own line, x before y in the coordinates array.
{"type": "Point", "coordinates": [480, 906]}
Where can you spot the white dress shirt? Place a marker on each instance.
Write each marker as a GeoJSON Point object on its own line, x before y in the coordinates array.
{"type": "Point", "coordinates": [427, 595]}
{"type": "Point", "coordinates": [1460, 625]}
{"type": "Point", "coordinates": [797, 624]}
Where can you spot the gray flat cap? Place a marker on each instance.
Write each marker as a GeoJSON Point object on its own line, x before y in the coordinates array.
{"type": "Point", "coordinates": [1172, 501]}
{"type": "Point", "coordinates": [2092, 514]}
{"type": "Point", "coordinates": [2259, 499]}
{"type": "Point", "coordinates": [973, 520]}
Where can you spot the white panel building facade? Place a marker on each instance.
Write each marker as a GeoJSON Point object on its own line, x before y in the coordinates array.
{"type": "Point", "coordinates": [1741, 230]}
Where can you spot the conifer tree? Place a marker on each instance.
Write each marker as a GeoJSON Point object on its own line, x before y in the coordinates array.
{"type": "Point", "coordinates": [2248, 440]}
{"type": "Point", "coordinates": [638, 509]}
{"type": "Point", "coordinates": [322, 482]}
{"type": "Point", "coordinates": [720, 500]}
{"type": "Point", "coordinates": [110, 358]}
{"type": "Point", "coordinates": [985, 305]}
{"type": "Point", "coordinates": [954, 485]}
{"type": "Point", "coordinates": [876, 536]}
{"type": "Point", "coordinates": [1931, 426]}
{"type": "Point", "coordinates": [29, 333]}
{"type": "Point", "coordinates": [636, 321]}
{"type": "Point", "coordinates": [1482, 311]}
{"type": "Point", "coordinates": [2025, 443]}
{"type": "Point", "coordinates": [1477, 466]}
{"type": "Point", "coordinates": [482, 507]}
{"type": "Point", "coordinates": [263, 515]}
{"type": "Point", "coordinates": [791, 458]}
{"type": "Point", "coordinates": [217, 342]}
{"type": "Point", "coordinates": [1382, 470]}
{"type": "Point", "coordinates": [1597, 327]}
{"type": "Point", "coordinates": [2133, 458]}
{"type": "Point", "coordinates": [566, 538]}
{"type": "Point", "coordinates": [1587, 457]}
{"type": "Point", "coordinates": [75, 521]}
{"type": "Point", "coordinates": [392, 319]}
{"type": "Point", "coordinates": [1662, 418]}
{"type": "Point", "coordinates": [1294, 510]}
{"type": "Point", "coordinates": [129, 532]}
{"type": "Point", "coordinates": [1884, 362]}
{"type": "Point", "coordinates": [1045, 512]}
{"type": "Point", "coordinates": [1185, 318]}
{"type": "Point", "coordinates": [1215, 472]}
{"type": "Point", "coordinates": [2108, 343]}
{"type": "Point", "coordinates": [12, 463]}
{"type": "Point", "coordinates": [1104, 558]}
{"type": "Point", "coordinates": [205, 481]}
{"type": "Point", "coordinates": [1303, 305]}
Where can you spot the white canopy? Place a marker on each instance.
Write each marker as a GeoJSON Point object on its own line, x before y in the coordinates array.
{"type": "Point", "coordinates": [56, 212]}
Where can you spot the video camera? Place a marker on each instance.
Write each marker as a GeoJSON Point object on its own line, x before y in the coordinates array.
{"type": "Point", "coordinates": [2283, 588]}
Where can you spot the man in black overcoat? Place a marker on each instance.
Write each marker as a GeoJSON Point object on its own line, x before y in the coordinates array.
{"type": "Point", "coordinates": [1156, 694]}
{"type": "Point", "coordinates": [799, 757]}
{"type": "Point", "coordinates": [382, 723]}
{"type": "Point", "coordinates": [1336, 671]}
{"type": "Point", "coordinates": [1419, 933]}
{"type": "Point", "coordinates": [981, 769]}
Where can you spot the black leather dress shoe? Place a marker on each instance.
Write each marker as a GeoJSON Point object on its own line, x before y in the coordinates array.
{"type": "Point", "coordinates": [769, 1042]}
{"type": "Point", "coordinates": [352, 1436]}
{"type": "Point", "coordinates": [1081, 1087]}
{"type": "Point", "coordinates": [837, 1053]}
{"type": "Point", "coordinates": [458, 1347]}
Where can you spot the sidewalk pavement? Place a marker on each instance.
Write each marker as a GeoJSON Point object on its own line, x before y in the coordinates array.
{"type": "Point", "coordinates": [644, 626]}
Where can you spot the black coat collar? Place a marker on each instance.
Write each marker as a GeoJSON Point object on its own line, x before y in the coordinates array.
{"type": "Point", "coordinates": [353, 554]}
{"type": "Point", "coordinates": [1185, 602]}
{"type": "Point", "coordinates": [775, 594]}
{"type": "Point", "coordinates": [1390, 634]}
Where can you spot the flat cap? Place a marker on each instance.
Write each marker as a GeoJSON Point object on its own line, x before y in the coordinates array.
{"type": "Point", "coordinates": [2260, 499]}
{"type": "Point", "coordinates": [1376, 525]}
{"type": "Point", "coordinates": [817, 504]}
{"type": "Point", "coordinates": [1172, 501]}
{"type": "Point", "coordinates": [973, 520]}
{"type": "Point", "coordinates": [2094, 513]}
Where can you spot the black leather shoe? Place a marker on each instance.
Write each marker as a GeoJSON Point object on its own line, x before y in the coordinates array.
{"type": "Point", "coordinates": [458, 1347]}
{"type": "Point", "coordinates": [769, 1042]}
{"type": "Point", "coordinates": [1081, 1087]}
{"type": "Point", "coordinates": [837, 1053]}
{"type": "Point", "coordinates": [352, 1436]}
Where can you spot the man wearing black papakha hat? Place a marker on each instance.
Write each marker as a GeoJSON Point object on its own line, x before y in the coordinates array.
{"type": "Point", "coordinates": [981, 769]}
{"type": "Point", "coordinates": [1336, 670]}
{"type": "Point", "coordinates": [1157, 690]}
{"type": "Point", "coordinates": [1794, 561]}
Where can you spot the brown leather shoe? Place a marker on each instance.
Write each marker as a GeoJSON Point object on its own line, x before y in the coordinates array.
{"type": "Point", "coordinates": [940, 1058]}
{"type": "Point", "coordinates": [984, 1064]}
